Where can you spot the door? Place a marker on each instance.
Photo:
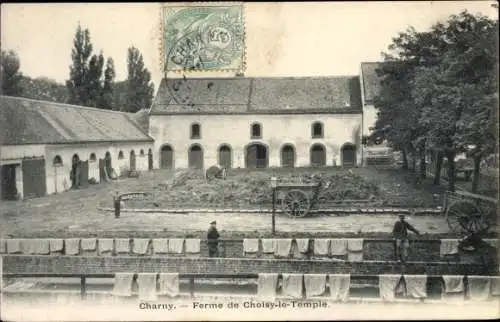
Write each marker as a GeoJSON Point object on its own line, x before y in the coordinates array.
{"type": "Point", "coordinates": [108, 164]}
{"type": "Point", "coordinates": [195, 157]}
{"type": "Point", "coordinates": [34, 178]}
{"type": "Point", "coordinates": [251, 159]}
{"type": "Point", "coordinates": [167, 157]}
{"type": "Point", "coordinates": [132, 160]}
{"type": "Point", "coordinates": [318, 156]}
{"type": "Point", "coordinates": [9, 189]}
{"type": "Point", "coordinates": [84, 173]}
{"type": "Point", "coordinates": [348, 155]}
{"type": "Point", "coordinates": [256, 156]}
{"type": "Point", "coordinates": [225, 157]}
{"type": "Point", "coordinates": [102, 173]}
{"type": "Point", "coordinates": [287, 156]}
{"type": "Point", "coordinates": [150, 159]}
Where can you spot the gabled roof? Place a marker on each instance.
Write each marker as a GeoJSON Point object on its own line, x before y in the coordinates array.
{"type": "Point", "coordinates": [242, 95]}
{"type": "Point", "coordinates": [26, 121]}
{"type": "Point", "coordinates": [370, 80]}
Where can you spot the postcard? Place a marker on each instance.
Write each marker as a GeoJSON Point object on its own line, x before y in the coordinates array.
{"type": "Point", "coordinates": [240, 161]}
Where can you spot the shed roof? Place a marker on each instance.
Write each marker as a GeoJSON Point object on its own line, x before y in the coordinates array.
{"type": "Point", "coordinates": [246, 95]}
{"type": "Point", "coordinates": [27, 121]}
{"type": "Point", "coordinates": [371, 83]}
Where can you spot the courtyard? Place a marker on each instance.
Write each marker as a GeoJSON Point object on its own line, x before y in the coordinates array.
{"type": "Point", "coordinates": [80, 212]}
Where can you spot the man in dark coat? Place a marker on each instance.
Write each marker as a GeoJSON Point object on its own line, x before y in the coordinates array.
{"type": "Point", "coordinates": [213, 240]}
{"type": "Point", "coordinates": [400, 233]}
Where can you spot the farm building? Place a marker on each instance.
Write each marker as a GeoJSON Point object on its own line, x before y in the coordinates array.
{"type": "Point", "coordinates": [370, 84]}
{"type": "Point", "coordinates": [48, 147]}
{"type": "Point", "coordinates": [369, 87]}
{"type": "Point", "coordinates": [257, 122]}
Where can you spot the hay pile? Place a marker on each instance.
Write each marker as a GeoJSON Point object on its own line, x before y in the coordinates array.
{"type": "Point", "coordinates": [190, 187]}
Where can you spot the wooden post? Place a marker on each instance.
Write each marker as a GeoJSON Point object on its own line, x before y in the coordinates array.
{"type": "Point", "coordinates": [116, 201]}
{"type": "Point", "coordinates": [191, 286]}
{"type": "Point", "coordinates": [274, 212]}
{"type": "Point", "coordinates": [83, 287]}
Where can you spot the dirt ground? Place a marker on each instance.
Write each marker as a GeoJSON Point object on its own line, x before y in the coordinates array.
{"type": "Point", "coordinates": [76, 211]}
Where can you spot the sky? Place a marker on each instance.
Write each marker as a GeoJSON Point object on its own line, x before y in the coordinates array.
{"type": "Point", "coordinates": [282, 39]}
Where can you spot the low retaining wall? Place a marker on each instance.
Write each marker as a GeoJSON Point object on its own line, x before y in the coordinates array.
{"type": "Point", "coordinates": [20, 264]}
{"type": "Point", "coordinates": [427, 250]}
{"type": "Point", "coordinates": [332, 210]}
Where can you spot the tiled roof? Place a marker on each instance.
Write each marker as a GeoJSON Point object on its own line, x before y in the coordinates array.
{"type": "Point", "coordinates": [371, 83]}
{"type": "Point", "coordinates": [258, 95]}
{"type": "Point", "coordinates": [141, 118]}
{"type": "Point", "coordinates": [26, 121]}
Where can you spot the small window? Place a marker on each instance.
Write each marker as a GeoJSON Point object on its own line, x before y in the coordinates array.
{"type": "Point", "coordinates": [142, 153]}
{"type": "Point", "coordinates": [195, 131]}
{"type": "Point", "coordinates": [120, 155]}
{"type": "Point", "coordinates": [57, 161]}
{"type": "Point", "coordinates": [92, 157]}
{"type": "Point", "coordinates": [256, 131]}
{"type": "Point", "coordinates": [317, 130]}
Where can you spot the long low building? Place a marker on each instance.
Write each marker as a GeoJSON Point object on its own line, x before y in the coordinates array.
{"type": "Point", "coordinates": [257, 122]}
{"type": "Point", "coordinates": [48, 147]}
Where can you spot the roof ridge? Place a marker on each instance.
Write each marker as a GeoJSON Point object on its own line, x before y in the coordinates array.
{"type": "Point", "coordinates": [259, 77]}
{"type": "Point", "coordinates": [66, 105]}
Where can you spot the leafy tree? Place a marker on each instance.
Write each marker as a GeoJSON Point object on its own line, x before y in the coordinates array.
{"type": "Point", "coordinates": [44, 89]}
{"type": "Point", "coordinates": [438, 90]}
{"type": "Point", "coordinates": [11, 76]}
{"type": "Point", "coordinates": [88, 84]}
{"type": "Point", "coordinates": [107, 97]}
{"type": "Point", "coordinates": [140, 89]}
{"type": "Point", "coordinates": [458, 96]}
{"type": "Point", "coordinates": [78, 88]}
{"type": "Point", "coordinates": [93, 80]}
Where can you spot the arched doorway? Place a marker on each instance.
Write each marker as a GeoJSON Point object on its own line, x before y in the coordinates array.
{"type": "Point", "coordinates": [288, 156]}
{"type": "Point", "coordinates": [225, 158]}
{"type": "Point", "coordinates": [105, 167]}
{"type": "Point", "coordinates": [150, 159]}
{"type": "Point", "coordinates": [195, 157]}
{"type": "Point", "coordinates": [256, 156]}
{"type": "Point", "coordinates": [75, 171]}
{"type": "Point", "coordinates": [348, 154]}
{"type": "Point", "coordinates": [132, 160]}
{"type": "Point", "coordinates": [167, 157]}
{"type": "Point", "coordinates": [107, 162]}
{"type": "Point", "coordinates": [318, 155]}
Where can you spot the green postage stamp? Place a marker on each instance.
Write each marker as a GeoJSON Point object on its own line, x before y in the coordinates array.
{"type": "Point", "coordinates": [203, 37]}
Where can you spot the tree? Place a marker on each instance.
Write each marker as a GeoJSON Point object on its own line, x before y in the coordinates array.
{"type": "Point", "coordinates": [43, 89]}
{"type": "Point", "coordinates": [11, 76]}
{"type": "Point", "coordinates": [438, 90]}
{"type": "Point", "coordinates": [88, 85]}
{"type": "Point", "coordinates": [93, 80]}
{"type": "Point", "coordinates": [107, 92]}
{"type": "Point", "coordinates": [77, 85]}
{"type": "Point", "coordinates": [140, 89]}
{"type": "Point", "coordinates": [458, 97]}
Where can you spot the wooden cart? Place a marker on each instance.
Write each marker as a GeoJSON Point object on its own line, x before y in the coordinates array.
{"type": "Point", "coordinates": [469, 213]}
{"type": "Point", "coordinates": [297, 199]}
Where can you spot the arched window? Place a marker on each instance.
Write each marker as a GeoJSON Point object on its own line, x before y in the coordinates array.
{"type": "Point", "coordinates": [120, 155]}
{"type": "Point", "coordinates": [317, 130]}
{"type": "Point", "coordinates": [256, 131]}
{"type": "Point", "coordinates": [92, 157]}
{"type": "Point", "coordinates": [57, 161]}
{"type": "Point", "coordinates": [141, 153]}
{"type": "Point", "coordinates": [195, 131]}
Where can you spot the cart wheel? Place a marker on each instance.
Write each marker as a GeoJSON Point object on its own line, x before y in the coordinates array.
{"type": "Point", "coordinates": [465, 217]}
{"type": "Point", "coordinates": [295, 203]}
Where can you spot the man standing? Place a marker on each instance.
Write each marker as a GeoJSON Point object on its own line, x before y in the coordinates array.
{"type": "Point", "coordinates": [213, 240]}
{"type": "Point", "coordinates": [400, 233]}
